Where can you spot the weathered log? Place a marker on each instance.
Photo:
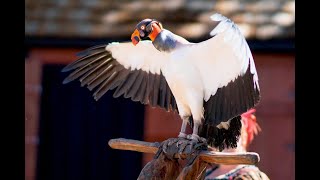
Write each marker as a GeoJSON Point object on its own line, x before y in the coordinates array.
{"type": "Point", "coordinates": [207, 156]}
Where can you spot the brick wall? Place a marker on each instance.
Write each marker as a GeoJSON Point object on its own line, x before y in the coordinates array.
{"type": "Point", "coordinates": [32, 99]}
{"type": "Point", "coordinates": [275, 113]}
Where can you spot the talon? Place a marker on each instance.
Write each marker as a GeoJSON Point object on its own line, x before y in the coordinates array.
{"type": "Point", "coordinates": [203, 139]}
{"type": "Point", "coordinates": [172, 142]}
{"type": "Point", "coordinates": [179, 143]}
{"type": "Point", "coordinates": [182, 135]}
{"type": "Point", "coordinates": [196, 137]}
{"type": "Point", "coordinates": [189, 136]}
{"type": "Point", "coordinates": [182, 147]}
{"type": "Point", "coordinates": [164, 149]}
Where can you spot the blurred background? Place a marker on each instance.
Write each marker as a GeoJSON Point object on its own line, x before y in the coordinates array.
{"type": "Point", "coordinates": [67, 131]}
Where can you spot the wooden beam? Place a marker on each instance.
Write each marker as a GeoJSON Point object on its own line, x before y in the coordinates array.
{"type": "Point", "coordinates": [207, 156]}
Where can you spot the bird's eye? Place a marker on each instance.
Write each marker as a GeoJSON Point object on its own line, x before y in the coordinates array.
{"type": "Point", "coordinates": [142, 27]}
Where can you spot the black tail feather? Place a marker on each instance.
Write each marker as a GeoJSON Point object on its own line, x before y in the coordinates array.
{"type": "Point", "coordinates": [222, 138]}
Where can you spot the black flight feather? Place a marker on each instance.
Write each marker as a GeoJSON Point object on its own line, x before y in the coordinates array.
{"type": "Point", "coordinates": [97, 69]}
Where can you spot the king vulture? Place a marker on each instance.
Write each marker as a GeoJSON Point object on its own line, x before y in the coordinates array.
{"type": "Point", "coordinates": [210, 83]}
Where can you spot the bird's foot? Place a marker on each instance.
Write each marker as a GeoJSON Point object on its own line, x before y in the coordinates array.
{"type": "Point", "coordinates": [171, 146]}
{"type": "Point", "coordinates": [196, 138]}
{"type": "Point", "coordinates": [183, 145]}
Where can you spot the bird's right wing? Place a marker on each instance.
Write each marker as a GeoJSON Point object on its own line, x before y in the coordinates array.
{"type": "Point", "coordinates": [135, 72]}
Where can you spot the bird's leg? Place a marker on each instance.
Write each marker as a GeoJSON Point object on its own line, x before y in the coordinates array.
{"type": "Point", "coordinates": [182, 133]}
{"type": "Point", "coordinates": [195, 130]}
{"type": "Point", "coordinates": [174, 145]}
{"type": "Point", "coordinates": [195, 135]}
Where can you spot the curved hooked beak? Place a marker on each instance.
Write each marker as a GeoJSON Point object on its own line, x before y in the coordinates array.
{"type": "Point", "coordinates": [135, 37]}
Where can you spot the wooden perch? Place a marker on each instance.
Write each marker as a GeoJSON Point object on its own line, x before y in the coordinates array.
{"type": "Point", "coordinates": [207, 156]}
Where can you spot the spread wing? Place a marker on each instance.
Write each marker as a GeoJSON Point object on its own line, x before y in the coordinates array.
{"type": "Point", "coordinates": [227, 70]}
{"type": "Point", "coordinates": [133, 71]}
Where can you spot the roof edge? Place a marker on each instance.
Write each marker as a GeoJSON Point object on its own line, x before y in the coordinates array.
{"type": "Point", "coordinates": [286, 45]}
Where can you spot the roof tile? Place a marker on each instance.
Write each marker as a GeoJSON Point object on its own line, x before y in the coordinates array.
{"type": "Point", "coordinates": [190, 18]}
{"type": "Point", "coordinates": [268, 31]}
{"type": "Point", "coordinates": [283, 19]}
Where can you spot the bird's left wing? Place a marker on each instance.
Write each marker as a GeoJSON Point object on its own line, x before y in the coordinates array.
{"type": "Point", "coordinates": [227, 71]}
{"type": "Point", "coordinates": [135, 72]}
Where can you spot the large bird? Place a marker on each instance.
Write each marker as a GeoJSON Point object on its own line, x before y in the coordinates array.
{"type": "Point", "coordinates": [210, 83]}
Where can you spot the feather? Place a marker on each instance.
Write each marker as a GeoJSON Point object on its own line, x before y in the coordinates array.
{"type": "Point", "coordinates": [90, 75]}
{"type": "Point", "coordinates": [82, 70]}
{"type": "Point", "coordinates": [85, 60]}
